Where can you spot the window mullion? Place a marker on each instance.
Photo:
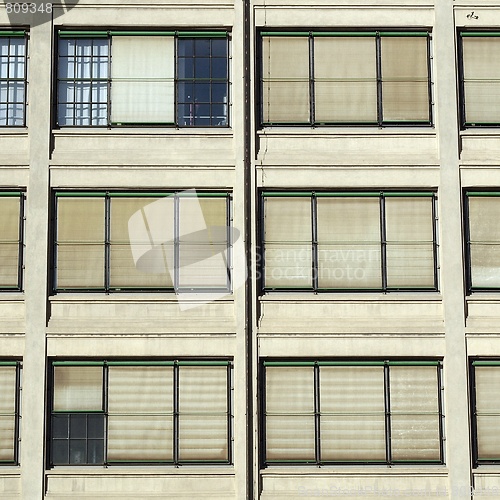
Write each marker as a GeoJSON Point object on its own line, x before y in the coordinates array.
{"type": "Point", "coordinates": [383, 242]}
{"type": "Point", "coordinates": [378, 49]}
{"type": "Point", "coordinates": [105, 388]}
{"type": "Point", "coordinates": [314, 236]}
{"type": "Point", "coordinates": [317, 413]}
{"type": "Point", "coordinates": [17, 414]}
{"type": "Point", "coordinates": [107, 234]}
{"type": "Point", "coordinates": [108, 97]}
{"type": "Point", "coordinates": [20, 259]}
{"type": "Point", "coordinates": [176, 414]}
{"type": "Point", "coordinates": [441, 412]}
{"type": "Point", "coordinates": [312, 106]}
{"type": "Point", "coordinates": [435, 241]}
{"type": "Point", "coordinates": [176, 242]}
{"type": "Point", "coordinates": [387, 404]}
{"type": "Point", "coordinates": [429, 82]}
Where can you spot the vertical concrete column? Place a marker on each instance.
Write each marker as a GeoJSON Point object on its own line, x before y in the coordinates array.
{"type": "Point", "coordinates": [33, 397]}
{"type": "Point", "coordinates": [451, 248]}
{"type": "Point", "coordinates": [240, 192]}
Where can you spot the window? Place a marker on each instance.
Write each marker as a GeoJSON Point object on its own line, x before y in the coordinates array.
{"type": "Point", "coordinates": [482, 210]}
{"type": "Point", "coordinates": [111, 78]}
{"type": "Point", "coordinates": [352, 412]}
{"type": "Point", "coordinates": [345, 78]}
{"type": "Point", "coordinates": [349, 241]}
{"type": "Point", "coordinates": [10, 380]}
{"type": "Point", "coordinates": [485, 389]}
{"type": "Point", "coordinates": [480, 78]}
{"type": "Point", "coordinates": [111, 241]}
{"type": "Point", "coordinates": [11, 244]}
{"type": "Point", "coordinates": [113, 412]}
{"type": "Point", "coordinates": [13, 77]}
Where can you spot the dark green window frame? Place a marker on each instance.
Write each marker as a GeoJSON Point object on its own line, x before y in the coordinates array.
{"type": "Point", "coordinates": [195, 94]}
{"type": "Point", "coordinates": [420, 115]}
{"type": "Point", "coordinates": [482, 243]}
{"type": "Point", "coordinates": [83, 437]}
{"type": "Point", "coordinates": [479, 78]}
{"type": "Point", "coordinates": [182, 246]}
{"type": "Point", "coordinates": [320, 442]}
{"type": "Point", "coordinates": [484, 374]}
{"type": "Point", "coordinates": [13, 77]}
{"type": "Point", "coordinates": [10, 411]}
{"type": "Point", "coordinates": [321, 279]}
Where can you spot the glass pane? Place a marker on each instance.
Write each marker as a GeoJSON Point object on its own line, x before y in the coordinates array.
{"type": "Point", "coordinates": [95, 451]}
{"type": "Point", "coordinates": [77, 451]}
{"type": "Point", "coordinates": [484, 241]}
{"type": "Point", "coordinates": [488, 437]}
{"type": "Point", "coordinates": [78, 426]}
{"type": "Point", "coordinates": [288, 242]}
{"type": "Point", "coordinates": [285, 79]}
{"type": "Point", "coordinates": [95, 426]}
{"type": "Point", "coordinates": [345, 76]}
{"type": "Point", "coordinates": [7, 437]}
{"type": "Point", "coordinates": [203, 437]}
{"type": "Point", "coordinates": [349, 246]}
{"type": "Point", "coordinates": [78, 388]}
{"type": "Point", "coordinates": [60, 451]}
{"type": "Point", "coordinates": [409, 234]}
{"type": "Point", "coordinates": [487, 389]}
{"type": "Point", "coordinates": [60, 426]}
{"type": "Point", "coordinates": [482, 101]}
{"type": "Point", "coordinates": [290, 437]}
{"type": "Point", "coordinates": [138, 256]}
{"type": "Point", "coordinates": [142, 88]}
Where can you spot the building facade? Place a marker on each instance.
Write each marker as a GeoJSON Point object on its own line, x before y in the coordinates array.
{"type": "Point", "coordinates": [249, 249]}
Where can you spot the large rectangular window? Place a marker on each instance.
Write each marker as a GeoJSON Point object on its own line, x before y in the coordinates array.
{"type": "Point", "coordinates": [142, 241]}
{"type": "Point", "coordinates": [11, 239]}
{"type": "Point", "coordinates": [113, 412]}
{"type": "Point", "coordinates": [112, 78]}
{"type": "Point", "coordinates": [13, 78]}
{"type": "Point", "coordinates": [485, 392]}
{"type": "Point", "coordinates": [10, 382]}
{"type": "Point", "coordinates": [349, 241]}
{"type": "Point", "coordinates": [480, 78]}
{"type": "Point", "coordinates": [345, 78]}
{"type": "Point", "coordinates": [352, 412]}
{"type": "Point", "coordinates": [482, 210]}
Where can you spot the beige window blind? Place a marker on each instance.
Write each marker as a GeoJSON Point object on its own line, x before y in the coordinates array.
{"type": "Point", "coordinates": [409, 236]}
{"type": "Point", "coordinates": [481, 73]}
{"type": "Point", "coordinates": [142, 79]}
{"type": "Point", "coordinates": [405, 87]}
{"type": "Point", "coordinates": [349, 242]}
{"type": "Point", "coordinates": [285, 79]}
{"type": "Point", "coordinates": [80, 242]}
{"type": "Point", "coordinates": [484, 234]}
{"type": "Point", "coordinates": [290, 427]}
{"type": "Point", "coordinates": [203, 413]}
{"type": "Point", "coordinates": [140, 413]}
{"type": "Point", "coordinates": [345, 79]}
{"type": "Point", "coordinates": [352, 413]}
{"type": "Point", "coordinates": [7, 412]}
{"type": "Point", "coordinates": [78, 388]}
{"type": "Point", "coordinates": [288, 240]}
{"type": "Point", "coordinates": [9, 241]}
{"type": "Point", "coordinates": [414, 413]}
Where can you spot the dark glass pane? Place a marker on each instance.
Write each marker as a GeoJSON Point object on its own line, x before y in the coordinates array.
{"type": "Point", "coordinates": [202, 117]}
{"type": "Point", "coordinates": [77, 451]}
{"type": "Point", "coordinates": [60, 451]}
{"type": "Point", "coordinates": [95, 451]}
{"type": "Point", "coordinates": [184, 115]}
{"type": "Point", "coordinates": [219, 115]}
{"type": "Point", "coordinates": [219, 92]}
{"type": "Point", "coordinates": [185, 68]}
{"type": "Point", "coordinates": [219, 47]}
{"type": "Point", "coordinates": [202, 67]}
{"type": "Point", "coordinates": [95, 426]}
{"type": "Point", "coordinates": [60, 426]}
{"type": "Point", "coordinates": [202, 92]}
{"type": "Point", "coordinates": [185, 47]}
{"type": "Point", "coordinates": [202, 47]}
{"type": "Point", "coordinates": [78, 426]}
{"type": "Point", "coordinates": [219, 68]}
{"type": "Point", "coordinates": [184, 92]}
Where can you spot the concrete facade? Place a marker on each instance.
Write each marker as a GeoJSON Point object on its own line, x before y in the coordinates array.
{"type": "Point", "coordinates": [248, 326]}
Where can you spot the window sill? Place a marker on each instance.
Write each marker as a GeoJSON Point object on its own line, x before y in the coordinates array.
{"type": "Point", "coordinates": [141, 470]}
{"type": "Point", "coordinates": [143, 131]}
{"type": "Point", "coordinates": [145, 297]}
{"type": "Point", "coordinates": [356, 470]}
{"type": "Point", "coordinates": [308, 296]}
{"type": "Point", "coordinates": [333, 131]}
